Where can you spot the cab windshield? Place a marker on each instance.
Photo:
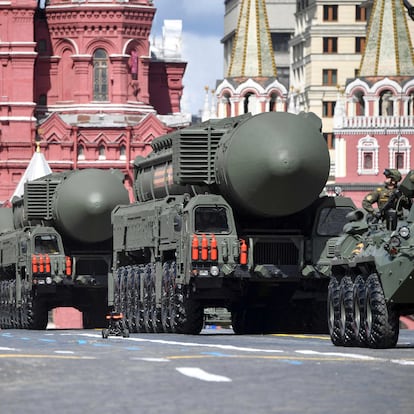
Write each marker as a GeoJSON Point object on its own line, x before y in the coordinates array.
{"type": "Point", "coordinates": [46, 243]}
{"type": "Point", "coordinates": [211, 220]}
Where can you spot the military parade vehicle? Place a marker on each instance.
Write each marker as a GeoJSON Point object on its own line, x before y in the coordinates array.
{"type": "Point", "coordinates": [56, 247]}
{"type": "Point", "coordinates": [371, 270]}
{"type": "Point", "coordinates": [228, 213]}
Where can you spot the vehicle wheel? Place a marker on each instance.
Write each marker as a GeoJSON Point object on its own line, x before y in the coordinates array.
{"type": "Point", "coordinates": [105, 333]}
{"type": "Point", "coordinates": [147, 304]}
{"type": "Point", "coordinates": [359, 311]}
{"type": "Point", "coordinates": [38, 314]}
{"type": "Point", "coordinates": [248, 321]}
{"type": "Point", "coordinates": [137, 304]}
{"type": "Point", "coordinates": [165, 298]}
{"type": "Point", "coordinates": [346, 301]}
{"type": "Point", "coordinates": [129, 295]}
{"type": "Point", "coordinates": [334, 312]}
{"type": "Point", "coordinates": [381, 321]}
{"type": "Point", "coordinates": [188, 314]}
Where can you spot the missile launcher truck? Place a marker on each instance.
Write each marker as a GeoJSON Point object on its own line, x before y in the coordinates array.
{"type": "Point", "coordinates": [228, 214]}
{"type": "Point", "coordinates": [372, 273]}
{"type": "Point", "coordinates": [56, 247]}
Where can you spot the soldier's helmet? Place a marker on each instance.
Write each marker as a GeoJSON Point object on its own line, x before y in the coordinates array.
{"type": "Point", "coordinates": [392, 173]}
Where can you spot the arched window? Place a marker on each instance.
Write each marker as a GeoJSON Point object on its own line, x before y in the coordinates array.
{"type": "Point", "coordinates": [386, 104]}
{"type": "Point", "coordinates": [359, 104]}
{"type": "Point", "coordinates": [122, 152]}
{"type": "Point", "coordinates": [101, 152]}
{"type": "Point", "coordinates": [272, 102]}
{"type": "Point", "coordinates": [410, 104]}
{"type": "Point", "coordinates": [399, 153]}
{"type": "Point", "coordinates": [368, 156]}
{"type": "Point", "coordinates": [100, 75]}
{"type": "Point", "coordinates": [227, 105]}
{"type": "Point", "coordinates": [249, 103]}
{"type": "Point", "coordinates": [81, 152]}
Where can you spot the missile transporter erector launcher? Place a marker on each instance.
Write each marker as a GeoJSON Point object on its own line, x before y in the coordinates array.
{"type": "Point", "coordinates": [56, 247]}
{"type": "Point", "coordinates": [371, 270]}
{"type": "Point", "coordinates": [228, 214]}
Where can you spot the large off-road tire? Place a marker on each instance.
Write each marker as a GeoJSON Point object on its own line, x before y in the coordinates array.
{"type": "Point", "coordinates": [247, 320]}
{"type": "Point", "coordinates": [359, 312]}
{"type": "Point", "coordinates": [381, 321]}
{"type": "Point", "coordinates": [137, 303]}
{"type": "Point", "coordinates": [187, 316]}
{"type": "Point", "coordinates": [38, 314]}
{"type": "Point", "coordinates": [166, 297]}
{"type": "Point", "coordinates": [333, 311]}
{"type": "Point", "coordinates": [346, 303]}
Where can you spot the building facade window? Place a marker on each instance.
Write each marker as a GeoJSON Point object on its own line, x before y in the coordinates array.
{"type": "Point", "coordinates": [330, 13]}
{"type": "Point", "coordinates": [101, 152]}
{"type": "Point", "coordinates": [280, 42]}
{"type": "Point", "coordinates": [330, 44]}
{"type": "Point", "coordinates": [329, 138]}
{"type": "Point", "coordinates": [122, 152]}
{"type": "Point", "coordinates": [399, 154]}
{"type": "Point", "coordinates": [329, 77]}
{"type": "Point", "coordinates": [100, 75]}
{"type": "Point", "coordinates": [368, 156]}
{"type": "Point", "coordinates": [328, 108]}
{"type": "Point", "coordinates": [360, 44]}
{"type": "Point", "coordinates": [386, 104]}
{"type": "Point", "coordinates": [81, 152]}
{"type": "Point", "coordinates": [360, 13]}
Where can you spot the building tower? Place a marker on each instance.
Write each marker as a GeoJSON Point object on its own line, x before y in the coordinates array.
{"type": "Point", "coordinates": [374, 119]}
{"type": "Point", "coordinates": [325, 51]}
{"type": "Point", "coordinates": [251, 83]}
{"type": "Point", "coordinates": [79, 77]}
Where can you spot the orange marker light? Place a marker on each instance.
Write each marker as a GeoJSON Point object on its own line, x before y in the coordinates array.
{"type": "Point", "coordinates": [213, 248]}
{"type": "Point", "coordinates": [68, 266]}
{"type": "Point", "coordinates": [243, 253]}
{"type": "Point", "coordinates": [47, 263]}
{"type": "Point", "coordinates": [194, 248]}
{"type": "Point", "coordinates": [204, 247]}
{"type": "Point", "coordinates": [34, 264]}
{"type": "Point", "coordinates": [41, 264]}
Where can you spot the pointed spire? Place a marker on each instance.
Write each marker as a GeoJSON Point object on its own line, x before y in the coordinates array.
{"type": "Point", "coordinates": [388, 50]}
{"type": "Point", "coordinates": [205, 116]}
{"type": "Point", "coordinates": [252, 54]}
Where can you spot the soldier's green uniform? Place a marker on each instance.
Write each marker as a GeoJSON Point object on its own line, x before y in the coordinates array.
{"type": "Point", "coordinates": [382, 195]}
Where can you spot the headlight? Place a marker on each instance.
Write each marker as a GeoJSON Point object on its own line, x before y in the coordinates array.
{"type": "Point", "coordinates": [214, 271]}
{"type": "Point", "coordinates": [395, 241]}
{"type": "Point", "coordinates": [48, 280]}
{"type": "Point", "coordinates": [404, 232]}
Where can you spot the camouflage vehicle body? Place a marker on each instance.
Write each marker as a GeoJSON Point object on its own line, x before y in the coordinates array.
{"type": "Point", "coordinates": [56, 247]}
{"type": "Point", "coordinates": [371, 270]}
{"type": "Point", "coordinates": [228, 214]}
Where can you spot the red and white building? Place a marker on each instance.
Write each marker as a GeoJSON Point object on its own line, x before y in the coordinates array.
{"type": "Point", "coordinates": [374, 117]}
{"type": "Point", "coordinates": [81, 78]}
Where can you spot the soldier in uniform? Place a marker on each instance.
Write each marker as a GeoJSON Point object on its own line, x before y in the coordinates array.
{"type": "Point", "coordinates": [387, 197]}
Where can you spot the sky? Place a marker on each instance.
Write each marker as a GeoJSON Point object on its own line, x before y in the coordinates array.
{"type": "Point", "coordinates": [203, 22]}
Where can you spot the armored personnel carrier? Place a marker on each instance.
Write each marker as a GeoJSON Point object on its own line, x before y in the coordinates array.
{"type": "Point", "coordinates": [371, 270]}
{"type": "Point", "coordinates": [56, 247]}
{"type": "Point", "coordinates": [228, 214]}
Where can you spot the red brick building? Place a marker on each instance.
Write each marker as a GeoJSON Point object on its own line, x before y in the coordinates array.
{"type": "Point", "coordinates": [374, 118]}
{"type": "Point", "coordinates": [80, 78]}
